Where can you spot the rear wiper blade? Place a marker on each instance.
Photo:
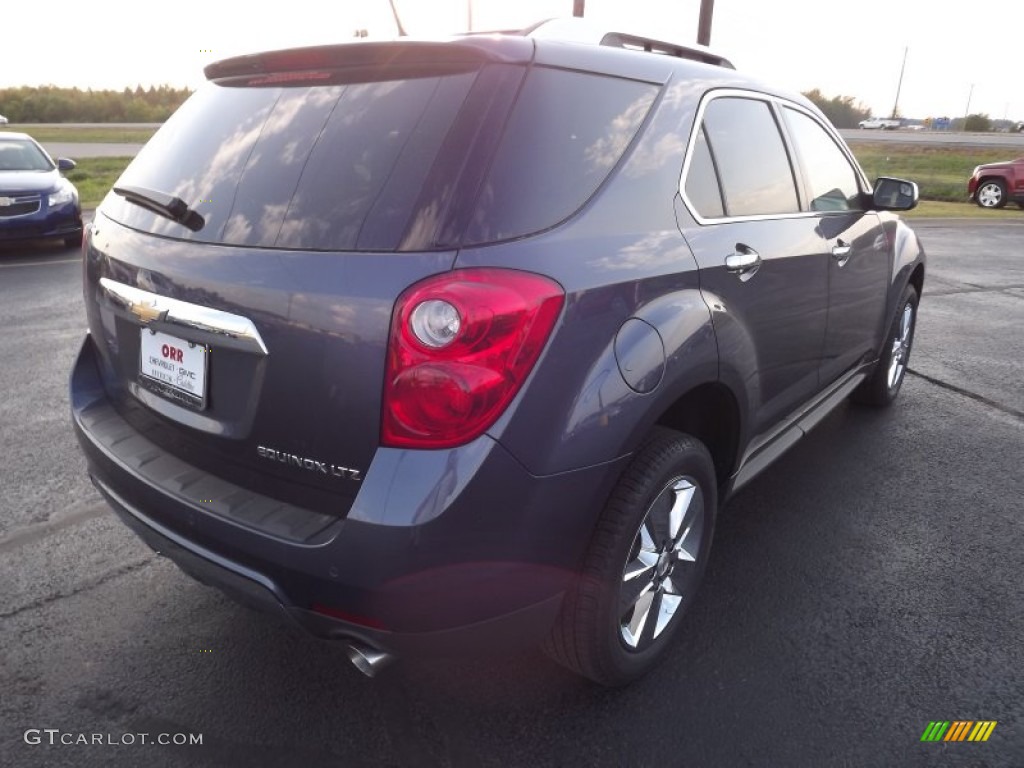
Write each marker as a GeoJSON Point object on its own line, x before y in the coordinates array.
{"type": "Point", "coordinates": [168, 206]}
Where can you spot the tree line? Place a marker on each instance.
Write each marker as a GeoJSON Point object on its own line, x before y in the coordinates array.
{"type": "Point", "coordinates": [50, 104]}
{"type": "Point", "coordinates": [841, 111]}
{"type": "Point", "coordinates": [847, 112]}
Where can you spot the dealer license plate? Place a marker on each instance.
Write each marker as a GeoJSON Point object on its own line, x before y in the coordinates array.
{"type": "Point", "coordinates": [174, 368]}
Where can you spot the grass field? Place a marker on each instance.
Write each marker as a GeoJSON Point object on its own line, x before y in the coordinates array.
{"type": "Point", "coordinates": [935, 209]}
{"type": "Point", "coordinates": [69, 133]}
{"type": "Point", "coordinates": [94, 176]}
{"type": "Point", "coordinates": [940, 171]}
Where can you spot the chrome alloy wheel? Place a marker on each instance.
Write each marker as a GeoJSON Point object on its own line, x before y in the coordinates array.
{"type": "Point", "coordinates": [990, 195]}
{"type": "Point", "coordinates": [664, 554]}
{"type": "Point", "coordinates": [901, 346]}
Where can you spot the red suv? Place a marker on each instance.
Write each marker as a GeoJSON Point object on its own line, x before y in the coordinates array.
{"type": "Point", "coordinates": [995, 184]}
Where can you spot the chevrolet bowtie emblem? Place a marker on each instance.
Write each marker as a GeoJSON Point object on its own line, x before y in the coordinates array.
{"type": "Point", "coordinates": [147, 311]}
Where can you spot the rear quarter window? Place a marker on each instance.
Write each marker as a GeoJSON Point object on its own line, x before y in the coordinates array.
{"type": "Point", "coordinates": [565, 134]}
{"type": "Point", "coordinates": [702, 181]}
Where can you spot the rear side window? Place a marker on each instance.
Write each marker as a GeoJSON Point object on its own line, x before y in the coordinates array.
{"type": "Point", "coordinates": [566, 133]}
{"type": "Point", "coordinates": [750, 156]}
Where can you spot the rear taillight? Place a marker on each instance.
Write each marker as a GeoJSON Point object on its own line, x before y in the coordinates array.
{"type": "Point", "coordinates": [461, 345]}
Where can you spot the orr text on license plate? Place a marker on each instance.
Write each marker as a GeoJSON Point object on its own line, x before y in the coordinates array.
{"type": "Point", "coordinates": [174, 368]}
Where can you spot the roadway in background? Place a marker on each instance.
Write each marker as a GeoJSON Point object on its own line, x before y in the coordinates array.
{"type": "Point", "coordinates": [77, 151]}
{"type": "Point", "coordinates": [948, 138]}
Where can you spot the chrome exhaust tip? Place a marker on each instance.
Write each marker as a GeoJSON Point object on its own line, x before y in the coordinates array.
{"type": "Point", "coordinates": [368, 660]}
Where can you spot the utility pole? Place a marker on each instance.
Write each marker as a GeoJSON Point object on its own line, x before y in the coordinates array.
{"type": "Point", "coordinates": [707, 10]}
{"type": "Point", "coordinates": [967, 111]}
{"type": "Point", "coordinates": [577, 8]}
{"type": "Point", "coordinates": [398, 21]}
{"type": "Point", "coordinates": [899, 86]}
{"type": "Point", "coordinates": [469, 15]}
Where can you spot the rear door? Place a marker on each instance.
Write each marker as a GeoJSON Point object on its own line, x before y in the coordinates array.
{"type": "Point", "coordinates": [763, 269]}
{"type": "Point", "coordinates": [859, 253]}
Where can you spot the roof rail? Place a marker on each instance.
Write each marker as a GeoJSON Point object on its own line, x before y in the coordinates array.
{"type": "Point", "coordinates": [634, 43]}
{"type": "Point", "coordinates": [576, 30]}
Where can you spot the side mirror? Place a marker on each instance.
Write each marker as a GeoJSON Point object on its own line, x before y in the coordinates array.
{"type": "Point", "coordinates": [63, 164]}
{"type": "Point", "coordinates": [895, 194]}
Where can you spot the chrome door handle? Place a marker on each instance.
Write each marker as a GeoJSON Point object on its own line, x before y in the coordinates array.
{"type": "Point", "coordinates": [841, 252]}
{"type": "Point", "coordinates": [745, 262]}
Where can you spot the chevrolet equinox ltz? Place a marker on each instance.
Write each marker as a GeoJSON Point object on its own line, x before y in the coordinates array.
{"type": "Point", "coordinates": [431, 346]}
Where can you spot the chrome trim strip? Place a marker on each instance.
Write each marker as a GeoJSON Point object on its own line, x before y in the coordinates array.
{"type": "Point", "coordinates": [775, 102]}
{"type": "Point", "coordinates": [148, 307]}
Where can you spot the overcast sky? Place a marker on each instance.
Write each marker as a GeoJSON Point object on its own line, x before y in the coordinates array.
{"type": "Point", "coordinates": [851, 48]}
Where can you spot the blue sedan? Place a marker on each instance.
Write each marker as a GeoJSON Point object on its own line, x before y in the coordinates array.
{"type": "Point", "coordinates": [36, 201]}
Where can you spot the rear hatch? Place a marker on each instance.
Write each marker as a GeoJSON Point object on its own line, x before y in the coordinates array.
{"type": "Point", "coordinates": [241, 276]}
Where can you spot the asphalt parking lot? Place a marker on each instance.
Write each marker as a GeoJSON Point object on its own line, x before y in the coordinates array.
{"type": "Point", "coordinates": [867, 585]}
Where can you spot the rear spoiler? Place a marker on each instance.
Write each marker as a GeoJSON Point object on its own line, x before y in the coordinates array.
{"type": "Point", "coordinates": [392, 55]}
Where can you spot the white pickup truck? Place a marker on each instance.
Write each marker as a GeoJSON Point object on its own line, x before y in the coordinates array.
{"type": "Point", "coordinates": [884, 123]}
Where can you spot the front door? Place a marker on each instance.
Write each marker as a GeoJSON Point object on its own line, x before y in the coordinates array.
{"type": "Point", "coordinates": [859, 263]}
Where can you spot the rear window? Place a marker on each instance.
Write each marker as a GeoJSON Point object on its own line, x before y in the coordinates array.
{"type": "Point", "coordinates": [385, 165]}
{"type": "Point", "coordinates": [298, 167]}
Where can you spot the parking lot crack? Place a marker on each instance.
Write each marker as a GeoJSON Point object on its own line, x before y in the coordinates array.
{"type": "Point", "coordinates": [42, 602]}
{"type": "Point", "coordinates": [968, 288]}
{"type": "Point", "coordinates": [967, 393]}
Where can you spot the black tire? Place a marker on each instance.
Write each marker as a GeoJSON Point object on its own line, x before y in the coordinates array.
{"type": "Point", "coordinates": [593, 636]}
{"type": "Point", "coordinates": [882, 387]}
{"type": "Point", "coordinates": [75, 241]}
{"type": "Point", "coordinates": [991, 193]}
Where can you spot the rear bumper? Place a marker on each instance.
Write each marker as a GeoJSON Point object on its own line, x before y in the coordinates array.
{"type": "Point", "coordinates": [472, 553]}
{"type": "Point", "coordinates": [519, 627]}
